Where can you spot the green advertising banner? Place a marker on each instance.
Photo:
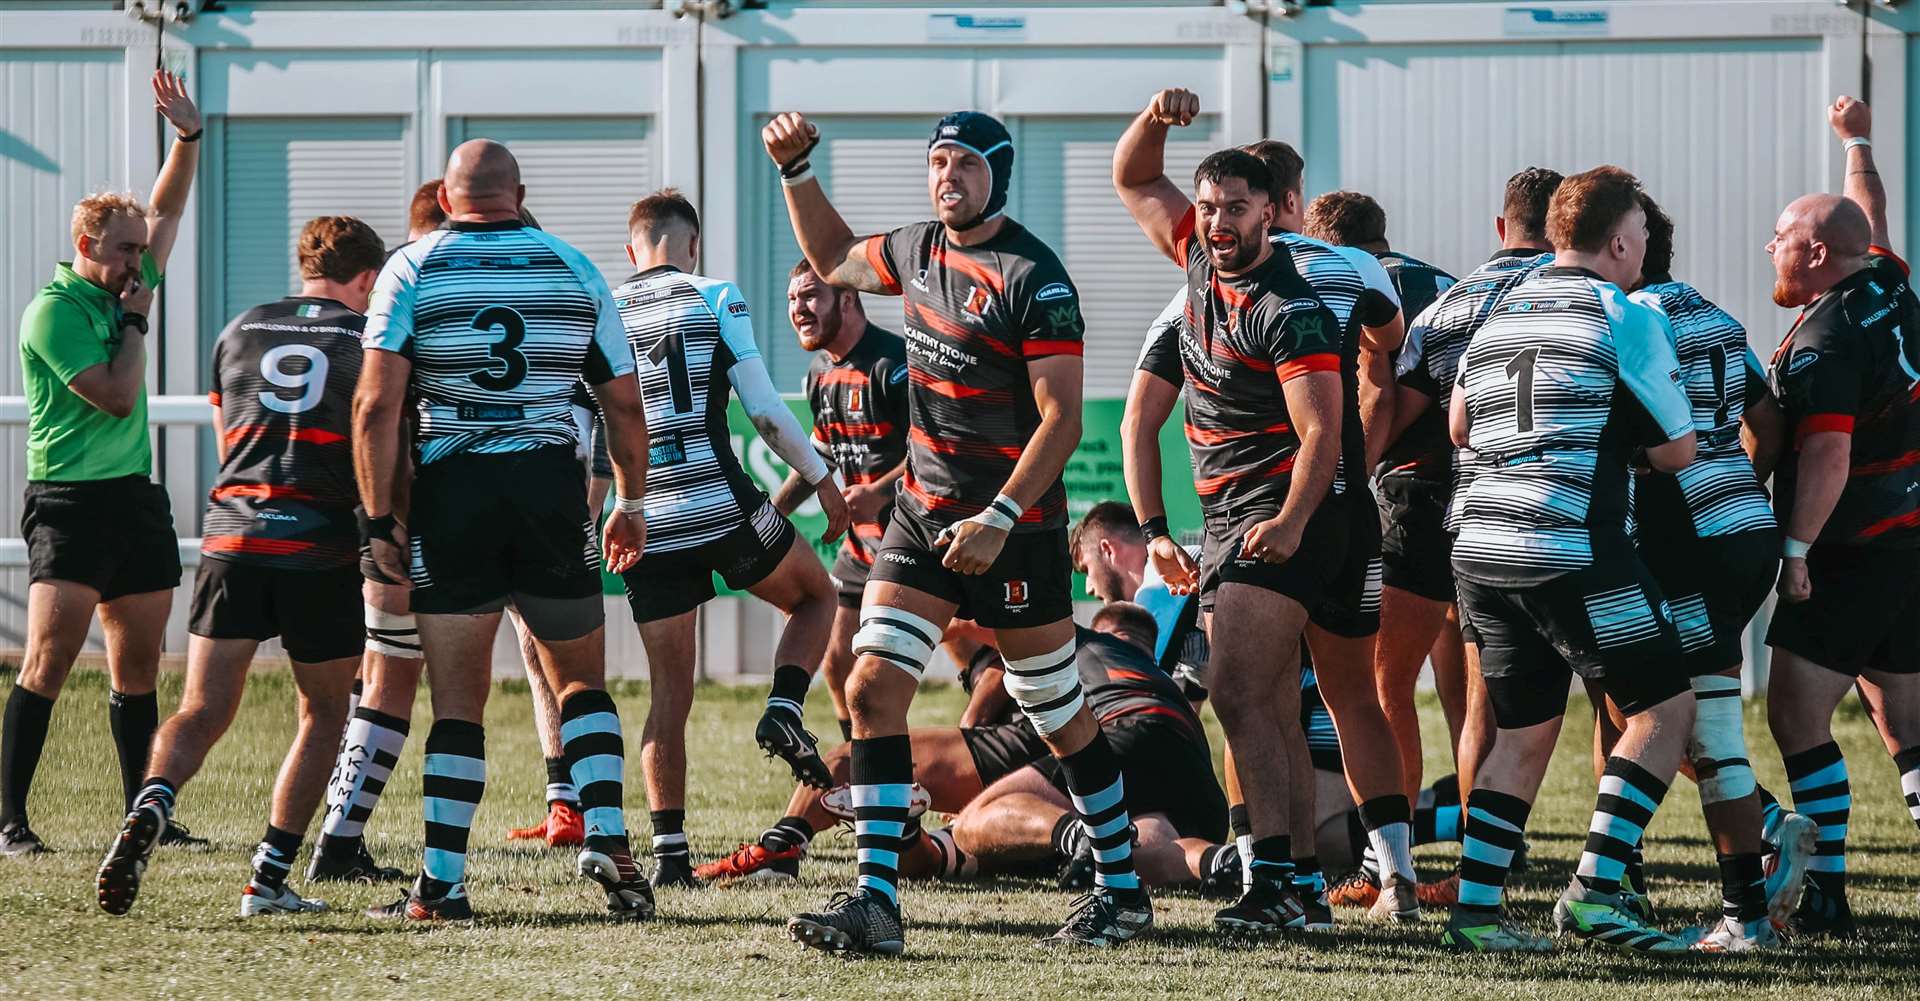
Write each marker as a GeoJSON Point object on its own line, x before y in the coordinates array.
{"type": "Point", "coordinates": [1095, 473]}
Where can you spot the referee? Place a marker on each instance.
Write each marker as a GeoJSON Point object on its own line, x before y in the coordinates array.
{"type": "Point", "coordinates": [98, 531]}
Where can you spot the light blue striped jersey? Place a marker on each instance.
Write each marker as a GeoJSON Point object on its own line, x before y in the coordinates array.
{"type": "Point", "coordinates": [1718, 494]}
{"type": "Point", "coordinates": [1563, 380]}
{"type": "Point", "coordinates": [688, 332]}
{"type": "Point", "coordinates": [1355, 286]}
{"type": "Point", "coordinates": [500, 322]}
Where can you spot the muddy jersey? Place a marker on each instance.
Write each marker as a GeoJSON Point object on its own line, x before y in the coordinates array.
{"type": "Point", "coordinates": [975, 316]}
{"type": "Point", "coordinates": [1718, 494]}
{"type": "Point", "coordinates": [283, 378]}
{"type": "Point", "coordinates": [860, 419]}
{"type": "Point", "coordinates": [1240, 338]}
{"type": "Point", "coordinates": [1852, 363]}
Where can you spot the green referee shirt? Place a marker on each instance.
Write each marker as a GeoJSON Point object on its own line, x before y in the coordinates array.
{"type": "Point", "coordinates": [69, 327]}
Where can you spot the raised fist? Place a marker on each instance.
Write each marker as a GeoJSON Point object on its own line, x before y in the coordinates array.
{"type": "Point", "coordinates": [1174, 106]}
{"type": "Point", "coordinates": [1850, 117]}
{"type": "Point", "coordinates": [788, 137]}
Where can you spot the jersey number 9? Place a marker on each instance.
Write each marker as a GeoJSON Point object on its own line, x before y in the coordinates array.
{"type": "Point", "coordinates": [312, 382]}
{"type": "Point", "coordinates": [506, 350]}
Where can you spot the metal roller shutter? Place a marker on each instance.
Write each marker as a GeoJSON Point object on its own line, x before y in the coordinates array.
{"type": "Point", "coordinates": [582, 174]}
{"type": "Point", "coordinates": [1063, 184]}
{"type": "Point", "coordinates": [277, 173]}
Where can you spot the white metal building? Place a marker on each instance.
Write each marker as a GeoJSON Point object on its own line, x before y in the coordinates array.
{"type": "Point", "coordinates": [323, 107]}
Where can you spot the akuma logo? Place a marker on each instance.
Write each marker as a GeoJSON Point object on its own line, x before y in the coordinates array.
{"type": "Point", "coordinates": [901, 558]}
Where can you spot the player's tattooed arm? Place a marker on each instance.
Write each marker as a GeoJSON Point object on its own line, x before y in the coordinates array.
{"type": "Point", "coordinates": [1139, 168]}
{"type": "Point", "coordinates": [831, 248]}
{"type": "Point", "coordinates": [1853, 119]}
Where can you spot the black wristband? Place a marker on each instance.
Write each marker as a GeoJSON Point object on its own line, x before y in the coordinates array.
{"type": "Point", "coordinates": [380, 527]}
{"type": "Point", "coordinates": [795, 167]}
{"type": "Point", "coordinates": [194, 138]}
{"type": "Point", "coordinates": [1154, 528]}
{"type": "Point", "coordinates": [135, 320]}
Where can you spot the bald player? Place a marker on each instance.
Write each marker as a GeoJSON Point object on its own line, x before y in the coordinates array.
{"type": "Point", "coordinates": [485, 326]}
{"type": "Point", "coordinates": [1847, 491]}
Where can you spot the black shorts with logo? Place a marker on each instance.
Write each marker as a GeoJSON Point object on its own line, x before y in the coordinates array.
{"type": "Point", "coordinates": [1351, 606]}
{"type": "Point", "coordinates": [1863, 615]}
{"type": "Point", "coordinates": [1308, 577]}
{"type": "Point", "coordinates": [1714, 587]}
{"type": "Point", "coordinates": [850, 575]}
{"type": "Point", "coordinates": [1416, 550]}
{"type": "Point", "coordinates": [115, 536]}
{"type": "Point", "coordinates": [316, 613]}
{"type": "Point", "coordinates": [1029, 584]}
{"type": "Point", "coordinates": [1000, 749]}
{"type": "Point", "coordinates": [1607, 622]}
{"type": "Point", "coordinates": [486, 527]}
{"type": "Point", "coordinates": [663, 585]}
{"type": "Point", "coordinates": [1166, 772]}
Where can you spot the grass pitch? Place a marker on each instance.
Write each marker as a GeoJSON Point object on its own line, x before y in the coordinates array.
{"type": "Point", "coordinates": [541, 933]}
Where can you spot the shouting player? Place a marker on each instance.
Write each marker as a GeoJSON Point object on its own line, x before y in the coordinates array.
{"type": "Point", "coordinates": [993, 331]}
{"type": "Point", "coordinates": [486, 325]}
{"type": "Point", "coordinates": [1847, 490]}
{"type": "Point", "coordinates": [279, 556]}
{"type": "Point", "coordinates": [857, 389]}
{"type": "Point", "coordinates": [1262, 368]}
{"type": "Point", "coordinates": [693, 340]}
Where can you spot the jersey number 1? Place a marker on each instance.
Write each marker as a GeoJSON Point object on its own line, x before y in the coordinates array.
{"type": "Point", "coordinates": [1521, 369]}
{"type": "Point", "coordinates": [671, 351]}
{"type": "Point", "coordinates": [513, 330]}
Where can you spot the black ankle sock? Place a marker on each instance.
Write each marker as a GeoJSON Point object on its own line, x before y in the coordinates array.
{"type": "Point", "coordinates": [669, 832]}
{"type": "Point", "coordinates": [846, 730]}
{"type": "Point", "coordinates": [133, 718]}
{"type": "Point", "coordinates": [788, 832]}
{"type": "Point", "coordinates": [1237, 821]}
{"type": "Point", "coordinates": [790, 683]}
{"type": "Point", "coordinates": [22, 737]}
{"type": "Point", "coordinates": [1273, 859]}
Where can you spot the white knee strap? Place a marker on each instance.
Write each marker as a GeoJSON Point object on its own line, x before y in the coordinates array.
{"type": "Point", "coordinates": [1719, 744]}
{"type": "Point", "coordinates": [1047, 688]}
{"type": "Point", "coordinates": [394, 634]}
{"type": "Point", "coordinates": [896, 636]}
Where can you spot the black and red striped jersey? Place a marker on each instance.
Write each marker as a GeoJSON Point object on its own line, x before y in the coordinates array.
{"type": "Point", "coordinates": [283, 378]}
{"type": "Point", "coordinates": [1121, 681]}
{"type": "Point", "coordinates": [1241, 338]}
{"type": "Point", "coordinates": [1848, 365]}
{"type": "Point", "coordinates": [974, 317]}
{"type": "Point", "coordinates": [859, 406]}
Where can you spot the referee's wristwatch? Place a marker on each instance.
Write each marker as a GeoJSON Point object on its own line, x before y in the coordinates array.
{"type": "Point", "coordinates": [138, 321]}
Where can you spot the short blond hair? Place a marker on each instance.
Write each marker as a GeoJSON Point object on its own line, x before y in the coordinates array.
{"type": "Point", "coordinates": [94, 212]}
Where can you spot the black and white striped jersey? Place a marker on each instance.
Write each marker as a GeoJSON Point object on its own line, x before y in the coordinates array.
{"type": "Point", "coordinates": [500, 322]}
{"type": "Point", "coordinates": [688, 332]}
{"type": "Point", "coordinates": [1356, 288]}
{"type": "Point", "coordinates": [1718, 494]}
{"type": "Point", "coordinates": [1566, 377]}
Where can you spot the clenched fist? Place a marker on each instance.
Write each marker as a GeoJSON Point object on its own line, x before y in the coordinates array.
{"type": "Point", "coordinates": [788, 137]}
{"type": "Point", "coordinates": [1174, 106]}
{"type": "Point", "coordinates": [1850, 118]}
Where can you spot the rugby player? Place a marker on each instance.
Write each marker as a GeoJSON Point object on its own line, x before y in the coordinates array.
{"type": "Point", "coordinates": [486, 325]}
{"type": "Point", "coordinates": [279, 557]}
{"type": "Point", "coordinates": [1709, 537]}
{"type": "Point", "coordinates": [1262, 359]}
{"type": "Point", "coordinates": [693, 340]}
{"type": "Point", "coordinates": [1555, 391]}
{"type": "Point", "coordinates": [1008, 792]}
{"type": "Point", "coordinates": [1847, 491]}
{"type": "Point", "coordinates": [857, 390]}
{"type": "Point", "coordinates": [99, 532]}
{"type": "Point", "coordinates": [994, 335]}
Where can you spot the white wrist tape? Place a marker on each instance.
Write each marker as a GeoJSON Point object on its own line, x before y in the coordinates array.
{"type": "Point", "coordinates": [1857, 141]}
{"type": "Point", "coordinates": [805, 175]}
{"type": "Point", "coordinates": [1001, 514]}
{"type": "Point", "coordinates": [1793, 548]}
{"type": "Point", "coordinates": [626, 505]}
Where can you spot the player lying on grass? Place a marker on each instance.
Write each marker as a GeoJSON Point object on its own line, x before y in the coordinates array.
{"type": "Point", "coordinates": [1006, 791]}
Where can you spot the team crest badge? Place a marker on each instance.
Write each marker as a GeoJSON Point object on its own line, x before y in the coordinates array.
{"type": "Point", "coordinates": [1016, 593]}
{"type": "Point", "coordinates": [855, 397]}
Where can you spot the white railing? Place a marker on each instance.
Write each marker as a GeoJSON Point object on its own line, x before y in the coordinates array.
{"type": "Point", "coordinates": [161, 411]}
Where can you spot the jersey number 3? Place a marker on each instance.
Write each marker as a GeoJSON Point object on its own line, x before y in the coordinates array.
{"type": "Point", "coordinates": [506, 350]}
